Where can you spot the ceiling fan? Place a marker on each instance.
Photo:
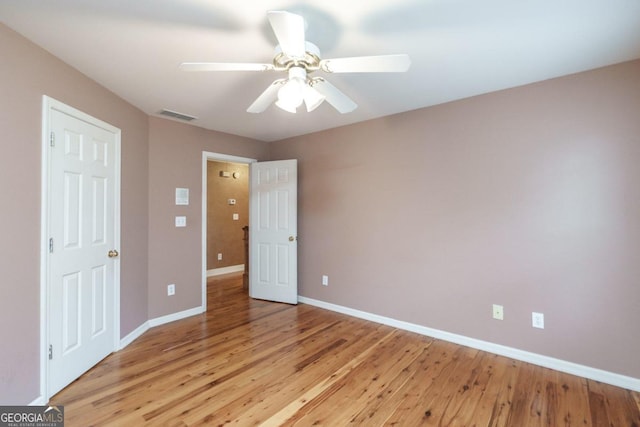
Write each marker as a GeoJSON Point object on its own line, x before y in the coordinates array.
{"type": "Point", "coordinates": [299, 59]}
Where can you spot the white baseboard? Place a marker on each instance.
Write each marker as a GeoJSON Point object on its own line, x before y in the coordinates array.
{"type": "Point", "coordinates": [513, 353]}
{"type": "Point", "coordinates": [225, 270]}
{"type": "Point", "coordinates": [136, 333]}
{"type": "Point", "coordinates": [175, 316]}
{"type": "Point", "coordinates": [133, 335]}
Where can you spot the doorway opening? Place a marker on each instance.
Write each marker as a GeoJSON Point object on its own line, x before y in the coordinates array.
{"type": "Point", "coordinates": [225, 211]}
{"type": "Point", "coordinates": [227, 216]}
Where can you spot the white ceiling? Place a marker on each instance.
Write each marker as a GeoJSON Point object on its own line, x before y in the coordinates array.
{"type": "Point", "coordinates": [458, 48]}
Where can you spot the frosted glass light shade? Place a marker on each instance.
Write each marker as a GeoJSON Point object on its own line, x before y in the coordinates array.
{"type": "Point", "coordinates": [312, 98]}
{"type": "Point", "coordinates": [290, 95]}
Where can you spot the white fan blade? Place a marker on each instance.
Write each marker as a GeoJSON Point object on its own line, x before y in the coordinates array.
{"type": "Point", "coordinates": [224, 66]}
{"type": "Point", "coordinates": [266, 98]}
{"type": "Point", "coordinates": [334, 96]}
{"type": "Point", "coordinates": [289, 30]}
{"type": "Point", "coordinates": [367, 64]}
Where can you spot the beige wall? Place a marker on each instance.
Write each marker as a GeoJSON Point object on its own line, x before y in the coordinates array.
{"type": "Point", "coordinates": [26, 74]}
{"type": "Point", "coordinates": [175, 254]}
{"type": "Point", "coordinates": [528, 197]}
{"type": "Point", "coordinates": [224, 234]}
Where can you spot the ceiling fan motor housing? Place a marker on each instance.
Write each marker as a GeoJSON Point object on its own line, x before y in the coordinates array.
{"type": "Point", "coordinates": [310, 61]}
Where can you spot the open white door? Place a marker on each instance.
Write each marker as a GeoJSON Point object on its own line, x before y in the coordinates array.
{"type": "Point", "coordinates": [273, 228]}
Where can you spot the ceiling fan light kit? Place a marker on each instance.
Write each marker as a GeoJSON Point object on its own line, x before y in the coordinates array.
{"type": "Point", "coordinates": [299, 58]}
{"type": "Point", "coordinates": [290, 95]}
{"type": "Point", "coordinates": [296, 90]}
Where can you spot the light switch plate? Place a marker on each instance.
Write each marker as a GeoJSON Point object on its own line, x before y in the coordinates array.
{"type": "Point", "coordinates": [236, 217]}
{"type": "Point", "coordinates": [181, 221]}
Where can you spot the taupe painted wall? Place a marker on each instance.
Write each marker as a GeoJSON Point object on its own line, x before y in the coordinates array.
{"type": "Point", "coordinates": [224, 234]}
{"type": "Point", "coordinates": [26, 74]}
{"type": "Point", "coordinates": [175, 254]}
{"type": "Point", "coordinates": [528, 197]}
{"type": "Point", "coordinates": [165, 152]}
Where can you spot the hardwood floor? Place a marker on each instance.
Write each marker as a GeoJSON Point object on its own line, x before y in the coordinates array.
{"type": "Point", "coordinates": [249, 362]}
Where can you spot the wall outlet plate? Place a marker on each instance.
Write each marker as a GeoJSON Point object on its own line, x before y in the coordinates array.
{"type": "Point", "coordinates": [171, 289]}
{"type": "Point", "coordinates": [537, 320]}
{"type": "Point", "coordinates": [498, 312]}
{"type": "Point", "coordinates": [325, 280]}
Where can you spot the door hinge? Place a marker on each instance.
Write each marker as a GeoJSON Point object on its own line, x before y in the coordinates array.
{"type": "Point", "coordinates": [52, 139]}
{"type": "Point", "coordinates": [50, 352]}
{"type": "Point", "coordinates": [51, 245]}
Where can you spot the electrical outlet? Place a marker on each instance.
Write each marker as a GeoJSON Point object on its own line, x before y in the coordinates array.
{"type": "Point", "coordinates": [498, 312]}
{"type": "Point", "coordinates": [537, 320]}
{"type": "Point", "coordinates": [220, 256]}
{"type": "Point", "coordinates": [325, 280]}
{"type": "Point", "coordinates": [171, 289]}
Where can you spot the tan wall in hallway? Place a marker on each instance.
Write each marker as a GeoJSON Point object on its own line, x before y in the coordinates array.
{"type": "Point", "coordinates": [528, 197]}
{"type": "Point", "coordinates": [27, 73]}
{"type": "Point", "coordinates": [224, 234]}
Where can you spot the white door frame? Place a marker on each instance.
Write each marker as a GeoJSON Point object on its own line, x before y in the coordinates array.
{"type": "Point", "coordinates": [206, 156]}
{"type": "Point", "coordinates": [49, 104]}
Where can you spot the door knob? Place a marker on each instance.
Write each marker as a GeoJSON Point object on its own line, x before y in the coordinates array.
{"type": "Point", "coordinates": [113, 253]}
{"type": "Point", "coordinates": [291, 238]}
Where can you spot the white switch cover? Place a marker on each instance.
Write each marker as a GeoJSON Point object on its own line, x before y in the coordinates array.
{"type": "Point", "coordinates": [236, 217]}
{"type": "Point", "coordinates": [181, 221]}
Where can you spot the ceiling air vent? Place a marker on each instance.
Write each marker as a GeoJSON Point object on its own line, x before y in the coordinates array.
{"type": "Point", "coordinates": [176, 115]}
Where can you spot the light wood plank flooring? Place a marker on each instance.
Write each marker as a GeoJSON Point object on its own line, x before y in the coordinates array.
{"type": "Point", "coordinates": [248, 362]}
